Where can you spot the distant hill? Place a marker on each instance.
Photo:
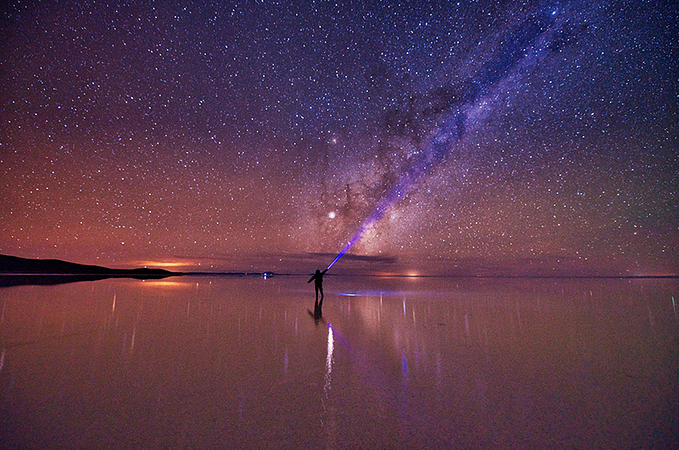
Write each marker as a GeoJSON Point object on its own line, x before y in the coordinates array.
{"type": "Point", "coordinates": [23, 266]}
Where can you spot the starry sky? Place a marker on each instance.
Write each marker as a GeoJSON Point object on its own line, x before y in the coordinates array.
{"type": "Point", "coordinates": [493, 138]}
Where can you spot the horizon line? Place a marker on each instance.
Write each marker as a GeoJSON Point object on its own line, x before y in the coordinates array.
{"type": "Point", "coordinates": [377, 275]}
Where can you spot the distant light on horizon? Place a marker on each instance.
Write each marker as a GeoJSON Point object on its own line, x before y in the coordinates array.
{"type": "Point", "coordinates": [166, 264]}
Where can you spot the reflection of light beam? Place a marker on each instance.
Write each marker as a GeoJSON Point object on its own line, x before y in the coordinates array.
{"type": "Point", "coordinates": [461, 107]}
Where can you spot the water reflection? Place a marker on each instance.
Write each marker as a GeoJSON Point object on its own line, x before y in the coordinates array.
{"type": "Point", "coordinates": [328, 360]}
{"type": "Point", "coordinates": [50, 280]}
{"type": "Point", "coordinates": [328, 420]}
{"type": "Point", "coordinates": [238, 362]}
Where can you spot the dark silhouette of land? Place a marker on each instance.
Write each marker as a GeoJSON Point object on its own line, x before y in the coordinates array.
{"type": "Point", "coordinates": [16, 271]}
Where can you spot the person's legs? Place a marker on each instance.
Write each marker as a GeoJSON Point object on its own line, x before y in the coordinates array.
{"type": "Point", "coordinates": [317, 310]}
{"type": "Point", "coordinates": [320, 303]}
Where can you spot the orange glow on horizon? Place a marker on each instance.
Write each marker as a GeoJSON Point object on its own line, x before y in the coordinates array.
{"type": "Point", "coordinates": [411, 274]}
{"type": "Point", "coordinates": [165, 264]}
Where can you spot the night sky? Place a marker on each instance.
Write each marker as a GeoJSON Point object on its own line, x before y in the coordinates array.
{"type": "Point", "coordinates": [507, 138]}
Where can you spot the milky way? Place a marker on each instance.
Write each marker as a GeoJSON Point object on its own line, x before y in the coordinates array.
{"type": "Point", "coordinates": [456, 106]}
{"type": "Point", "coordinates": [470, 137]}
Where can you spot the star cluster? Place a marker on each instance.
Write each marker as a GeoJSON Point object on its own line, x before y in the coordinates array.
{"type": "Point", "coordinates": [262, 134]}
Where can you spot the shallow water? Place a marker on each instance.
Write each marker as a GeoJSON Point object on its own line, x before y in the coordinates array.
{"type": "Point", "coordinates": [205, 362]}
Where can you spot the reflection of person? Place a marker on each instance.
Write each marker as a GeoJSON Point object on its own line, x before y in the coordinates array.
{"type": "Point", "coordinates": [317, 278]}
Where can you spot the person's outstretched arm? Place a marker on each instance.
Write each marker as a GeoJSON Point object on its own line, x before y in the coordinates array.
{"type": "Point", "coordinates": [312, 278]}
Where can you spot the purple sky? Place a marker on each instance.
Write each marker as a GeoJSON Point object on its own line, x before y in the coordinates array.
{"type": "Point", "coordinates": [262, 135]}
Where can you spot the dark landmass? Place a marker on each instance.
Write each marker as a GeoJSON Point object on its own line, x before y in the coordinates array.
{"type": "Point", "coordinates": [24, 266]}
{"type": "Point", "coordinates": [16, 271]}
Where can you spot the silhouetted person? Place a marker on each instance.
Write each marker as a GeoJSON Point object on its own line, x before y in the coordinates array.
{"type": "Point", "coordinates": [317, 278]}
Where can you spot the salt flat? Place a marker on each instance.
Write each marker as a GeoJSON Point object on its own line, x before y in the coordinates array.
{"type": "Point", "coordinates": [236, 362]}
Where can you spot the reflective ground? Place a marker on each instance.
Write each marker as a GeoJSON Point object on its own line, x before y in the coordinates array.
{"type": "Point", "coordinates": [219, 362]}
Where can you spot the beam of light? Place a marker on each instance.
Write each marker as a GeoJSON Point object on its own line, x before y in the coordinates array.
{"type": "Point", "coordinates": [461, 107]}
